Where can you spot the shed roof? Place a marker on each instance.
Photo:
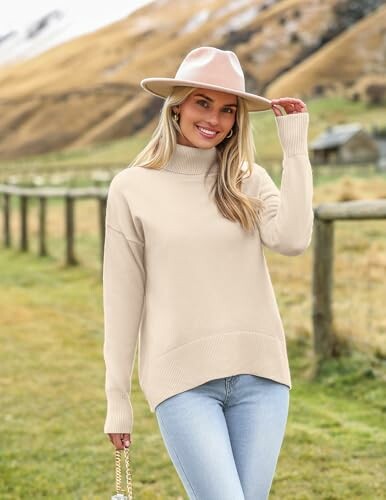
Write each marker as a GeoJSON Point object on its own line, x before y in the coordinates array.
{"type": "Point", "coordinates": [336, 135]}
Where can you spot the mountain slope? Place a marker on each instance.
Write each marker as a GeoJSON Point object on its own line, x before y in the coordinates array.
{"type": "Point", "coordinates": [351, 56]}
{"type": "Point", "coordinates": [87, 90]}
{"type": "Point", "coordinates": [44, 32]}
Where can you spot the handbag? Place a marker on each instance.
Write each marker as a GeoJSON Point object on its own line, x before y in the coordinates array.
{"type": "Point", "coordinates": [121, 494]}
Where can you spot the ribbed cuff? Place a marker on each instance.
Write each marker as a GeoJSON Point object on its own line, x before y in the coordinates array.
{"type": "Point", "coordinates": [119, 418]}
{"type": "Point", "coordinates": [293, 133]}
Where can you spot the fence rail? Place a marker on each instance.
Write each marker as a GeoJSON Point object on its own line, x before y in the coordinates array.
{"type": "Point", "coordinates": [12, 174]}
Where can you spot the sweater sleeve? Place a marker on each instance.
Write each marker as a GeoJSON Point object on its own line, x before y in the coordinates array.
{"type": "Point", "coordinates": [287, 218]}
{"type": "Point", "coordinates": [123, 298]}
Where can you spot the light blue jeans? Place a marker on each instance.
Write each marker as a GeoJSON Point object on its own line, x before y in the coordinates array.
{"type": "Point", "coordinates": [224, 437]}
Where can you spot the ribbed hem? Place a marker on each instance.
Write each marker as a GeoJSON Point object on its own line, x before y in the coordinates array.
{"type": "Point", "coordinates": [293, 132]}
{"type": "Point", "coordinates": [119, 417]}
{"type": "Point", "coordinates": [214, 357]}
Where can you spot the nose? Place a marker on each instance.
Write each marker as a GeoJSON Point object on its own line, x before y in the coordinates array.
{"type": "Point", "coordinates": [213, 118]}
{"type": "Point", "coordinates": [213, 121]}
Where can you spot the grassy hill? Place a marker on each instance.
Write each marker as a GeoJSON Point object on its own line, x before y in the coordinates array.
{"type": "Point", "coordinates": [87, 91]}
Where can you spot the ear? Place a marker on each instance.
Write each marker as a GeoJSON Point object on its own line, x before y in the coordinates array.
{"type": "Point", "coordinates": [176, 109]}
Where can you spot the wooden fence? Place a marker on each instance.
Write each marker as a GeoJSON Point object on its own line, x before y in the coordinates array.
{"type": "Point", "coordinates": [323, 235]}
{"type": "Point", "coordinates": [323, 261]}
{"type": "Point", "coordinates": [69, 195]}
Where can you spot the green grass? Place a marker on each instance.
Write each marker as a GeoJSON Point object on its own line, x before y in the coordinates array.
{"type": "Point", "coordinates": [53, 406]}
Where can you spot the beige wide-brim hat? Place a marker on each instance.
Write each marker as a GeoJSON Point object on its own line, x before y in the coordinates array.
{"type": "Point", "coordinates": [208, 68]}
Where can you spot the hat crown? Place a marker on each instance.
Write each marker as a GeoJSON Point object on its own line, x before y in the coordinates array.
{"type": "Point", "coordinates": [208, 68]}
{"type": "Point", "coordinates": [209, 65]}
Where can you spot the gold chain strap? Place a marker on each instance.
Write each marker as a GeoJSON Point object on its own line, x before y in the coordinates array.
{"type": "Point", "coordinates": [118, 477]}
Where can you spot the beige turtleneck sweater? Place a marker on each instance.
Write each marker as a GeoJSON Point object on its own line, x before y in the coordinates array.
{"type": "Point", "coordinates": [191, 287]}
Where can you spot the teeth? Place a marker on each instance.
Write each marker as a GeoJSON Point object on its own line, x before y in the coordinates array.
{"type": "Point", "coordinates": [206, 131]}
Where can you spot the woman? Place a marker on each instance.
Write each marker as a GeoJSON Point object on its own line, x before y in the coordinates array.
{"type": "Point", "coordinates": [185, 274]}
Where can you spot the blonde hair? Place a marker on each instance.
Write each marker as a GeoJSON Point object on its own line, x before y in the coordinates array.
{"type": "Point", "coordinates": [232, 154]}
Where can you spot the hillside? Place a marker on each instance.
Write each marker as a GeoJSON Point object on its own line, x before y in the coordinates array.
{"type": "Point", "coordinates": [87, 90]}
{"type": "Point", "coordinates": [361, 39]}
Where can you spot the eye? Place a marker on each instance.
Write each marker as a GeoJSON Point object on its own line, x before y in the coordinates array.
{"type": "Point", "coordinates": [205, 104]}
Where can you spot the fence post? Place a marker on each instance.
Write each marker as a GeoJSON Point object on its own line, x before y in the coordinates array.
{"type": "Point", "coordinates": [23, 222]}
{"type": "Point", "coordinates": [322, 287]}
{"type": "Point", "coordinates": [42, 226]}
{"type": "Point", "coordinates": [7, 225]}
{"type": "Point", "coordinates": [70, 227]}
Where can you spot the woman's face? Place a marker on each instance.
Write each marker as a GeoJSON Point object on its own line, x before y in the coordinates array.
{"type": "Point", "coordinates": [206, 118]}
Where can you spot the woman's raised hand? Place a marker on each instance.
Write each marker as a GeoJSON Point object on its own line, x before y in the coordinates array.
{"type": "Point", "coordinates": [120, 441]}
{"type": "Point", "coordinates": [290, 104]}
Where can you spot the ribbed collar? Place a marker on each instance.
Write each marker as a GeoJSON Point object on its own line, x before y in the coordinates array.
{"type": "Point", "coordinates": [193, 161]}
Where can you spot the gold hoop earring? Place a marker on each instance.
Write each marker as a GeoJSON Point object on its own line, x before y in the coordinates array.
{"type": "Point", "coordinates": [229, 135]}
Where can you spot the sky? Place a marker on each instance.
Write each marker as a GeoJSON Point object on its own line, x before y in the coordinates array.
{"type": "Point", "coordinates": [17, 14]}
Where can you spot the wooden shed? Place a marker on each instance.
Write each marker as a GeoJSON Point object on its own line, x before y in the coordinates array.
{"type": "Point", "coordinates": [347, 143]}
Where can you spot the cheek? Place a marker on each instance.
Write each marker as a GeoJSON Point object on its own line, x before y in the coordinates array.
{"type": "Point", "coordinates": [191, 115]}
{"type": "Point", "coordinates": [229, 120]}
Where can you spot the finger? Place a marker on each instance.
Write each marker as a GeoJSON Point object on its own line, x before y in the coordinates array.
{"type": "Point", "coordinates": [126, 440]}
{"type": "Point", "coordinates": [276, 110]}
{"type": "Point", "coordinates": [297, 107]}
{"type": "Point", "coordinates": [287, 99]}
{"type": "Point", "coordinates": [299, 104]}
{"type": "Point", "coordinates": [289, 109]}
{"type": "Point", "coordinates": [290, 104]}
{"type": "Point", "coordinates": [118, 444]}
{"type": "Point", "coordinates": [116, 439]}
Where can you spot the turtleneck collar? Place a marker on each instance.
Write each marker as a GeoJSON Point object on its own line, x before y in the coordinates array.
{"type": "Point", "coordinates": [193, 161]}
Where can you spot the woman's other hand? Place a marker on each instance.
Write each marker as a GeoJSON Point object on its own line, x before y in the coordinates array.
{"type": "Point", "coordinates": [120, 441]}
{"type": "Point", "coordinates": [290, 104]}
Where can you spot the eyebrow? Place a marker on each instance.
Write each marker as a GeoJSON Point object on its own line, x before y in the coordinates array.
{"type": "Point", "coordinates": [211, 100]}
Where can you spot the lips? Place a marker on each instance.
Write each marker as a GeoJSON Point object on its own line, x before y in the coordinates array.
{"type": "Point", "coordinates": [206, 132]}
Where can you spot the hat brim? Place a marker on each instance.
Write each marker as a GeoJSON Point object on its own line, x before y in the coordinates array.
{"type": "Point", "coordinates": [162, 87]}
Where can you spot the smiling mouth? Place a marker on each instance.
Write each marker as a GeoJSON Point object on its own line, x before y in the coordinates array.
{"type": "Point", "coordinates": [209, 134]}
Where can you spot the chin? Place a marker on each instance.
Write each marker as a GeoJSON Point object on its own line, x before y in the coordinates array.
{"type": "Point", "coordinates": [206, 146]}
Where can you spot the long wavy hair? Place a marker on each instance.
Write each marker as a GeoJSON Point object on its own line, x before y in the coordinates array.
{"type": "Point", "coordinates": [235, 157]}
